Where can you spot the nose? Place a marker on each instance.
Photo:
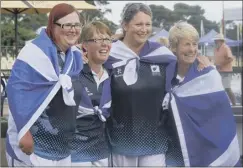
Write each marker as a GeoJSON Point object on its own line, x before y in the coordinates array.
{"type": "Point", "coordinates": [104, 43]}
{"type": "Point", "coordinates": [72, 29]}
{"type": "Point", "coordinates": [192, 48]}
{"type": "Point", "coordinates": [143, 28]}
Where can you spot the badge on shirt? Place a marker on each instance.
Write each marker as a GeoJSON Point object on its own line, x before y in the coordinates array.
{"type": "Point", "coordinates": [155, 70]}
{"type": "Point", "coordinates": [87, 90]}
{"type": "Point", "coordinates": [118, 72]}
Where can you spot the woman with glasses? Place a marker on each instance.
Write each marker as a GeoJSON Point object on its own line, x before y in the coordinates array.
{"type": "Point", "coordinates": [90, 145]}
{"type": "Point", "coordinates": [44, 93]}
{"type": "Point", "coordinates": [141, 75]}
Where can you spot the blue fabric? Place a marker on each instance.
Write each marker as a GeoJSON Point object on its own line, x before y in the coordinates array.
{"type": "Point", "coordinates": [166, 57]}
{"type": "Point", "coordinates": [208, 38]}
{"type": "Point", "coordinates": [27, 88]}
{"type": "Point", "coordinates": [162, 33]}
{"type": "Point", "coordinates": [207, 122]}
{"type": "Point", "coordinates": [105, 98]}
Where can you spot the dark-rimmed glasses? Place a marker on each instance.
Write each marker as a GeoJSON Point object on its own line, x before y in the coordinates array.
{"type": "Point", "coordinates": [69, 26]}
{"type": "Point", "coordinates": [99, 41]}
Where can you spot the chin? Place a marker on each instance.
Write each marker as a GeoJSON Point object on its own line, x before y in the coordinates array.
{"type": "Point", "coordinates": [101, 61]}
{"type": "Point", "coordinates": [141, 41]}
{"type": "Point", "coordinates": [190, 62]}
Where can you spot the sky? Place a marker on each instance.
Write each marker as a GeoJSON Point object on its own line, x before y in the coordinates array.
{"type": "Point", "coordinates": [213, 9]}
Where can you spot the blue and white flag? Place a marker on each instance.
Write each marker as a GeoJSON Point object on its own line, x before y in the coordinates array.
{"type": "Point", "coordinates": [152, 52]}
{"type": "Point", "coordinates": [86, 107]}
{"type": "Point", "coordinates": [35, 80]}
{"type": "Point", "coordinates": [204, 121]}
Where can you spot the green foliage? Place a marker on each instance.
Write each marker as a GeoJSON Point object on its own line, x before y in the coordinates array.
{"type": "Point", "coordinates": [165, 18]}
{"type": "Point", "coordinates": [92, 15]}
{"type": "Point", "coordinates": [162, 17]}
{"type": "Point", "coordinates": [102, 2]}
{"type": "Point", "coordinates": [27, 25]}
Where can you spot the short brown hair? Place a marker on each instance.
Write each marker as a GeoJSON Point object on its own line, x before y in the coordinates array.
{"type": "Point", "coordinates": [59, 11]}
{"type": "Point", "coordinates": [94, 27]}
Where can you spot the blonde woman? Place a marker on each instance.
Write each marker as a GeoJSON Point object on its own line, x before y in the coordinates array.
{"type": "Point", "coordinates": [199, 107]}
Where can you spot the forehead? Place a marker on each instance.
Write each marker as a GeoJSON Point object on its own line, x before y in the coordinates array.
{"type": "Point", "coordinates": [141, 17]}
{"type": "Point", "coordinates": [100, 35]}
{"type": "Point", "coordinates": [218, 41]}
{"type": "Point", "coordinates": [70, 18]}
{"type": "Point", "coordinates": [188, 40]}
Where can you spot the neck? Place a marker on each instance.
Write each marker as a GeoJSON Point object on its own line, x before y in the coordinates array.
{"type": "Point", "coordinates": [62, 48]}
{"type": "Point", "coordinates": [182, 69]}
{"type": "Point", "coordinates": [97, 68]}
{"type": "Point", "coordinates": [133, 46]}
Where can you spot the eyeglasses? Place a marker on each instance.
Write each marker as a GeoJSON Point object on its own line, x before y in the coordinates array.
{"type": "Point", "coordinates": [69, 26]}
{"type": "Point", "coordinates": [99, 41]}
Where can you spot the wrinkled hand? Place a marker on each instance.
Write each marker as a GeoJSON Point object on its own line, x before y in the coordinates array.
{"type": "Point", "coordinates": [26, 143]}
{"type": "Point", "coordinates": [204, 62]}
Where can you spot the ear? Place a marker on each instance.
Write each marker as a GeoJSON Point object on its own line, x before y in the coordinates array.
{"type": "Point", "coordinates": [124, 26]}
{"type": "Point", "coordinates": [85, 46]}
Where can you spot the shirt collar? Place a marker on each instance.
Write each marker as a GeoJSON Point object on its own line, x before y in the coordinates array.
{"type": "Point", "coordinates": [87, 69]}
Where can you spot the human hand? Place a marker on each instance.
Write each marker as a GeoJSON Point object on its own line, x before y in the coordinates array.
{"type": "Point", "coordinates": [26, 143]}
{"type": "Point", "coordinates": [204, 62]}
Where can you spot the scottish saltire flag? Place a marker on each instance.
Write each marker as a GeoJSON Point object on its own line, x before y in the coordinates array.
{"type": "Point", "coordinates": [86, 107]}
{"type": "Point", "coordinates": [35, 79]}
{"type": "Point", "coordinates": [205, 126]}
{"type": "Point", "coordinates": [152, 52]}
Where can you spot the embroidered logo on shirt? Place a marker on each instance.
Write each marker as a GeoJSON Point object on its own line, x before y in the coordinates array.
{"type": "Point", "coordinates": [118, 72]}
{"type": "Point", "coordinates": [155, 70]}
{"type": "Point", "coordinates": [89, 93]}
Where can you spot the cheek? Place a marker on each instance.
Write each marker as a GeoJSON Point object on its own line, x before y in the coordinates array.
{"type": "Point", "coordinates": [78, 33]}
{"type": "Point", "coordinates": [149, 29]}
{"type": "Point", "coordinates": [60, 36]}
{"type": "Point", "coordinates": [109, 47]}
{"type": "Point", "coordinates": [92, 50]}
{"type": "Point", "coordinates": [180, 56]}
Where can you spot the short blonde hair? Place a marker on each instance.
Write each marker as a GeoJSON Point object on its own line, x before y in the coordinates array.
{"type": "Point", "coordinates": [91, 28]}
{"type": "Point", "coordinates": [164, 41]}
{"type": "Point", "coordinates": [182, 30]}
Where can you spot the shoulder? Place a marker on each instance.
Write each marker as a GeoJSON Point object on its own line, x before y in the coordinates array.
{"type": "Point", "coordinates": [110, 61]}
{"type": "Point", "coordinates": [225, 47]}
{"type": "Point", "coordinates": [154, 44]}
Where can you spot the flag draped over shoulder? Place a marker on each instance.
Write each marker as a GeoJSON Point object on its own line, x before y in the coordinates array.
{"type": "Point", "coordinates": [152, 53]}
{"type": "Point", "coordinates": [204, 120]}
{"type": "Point", "coordinates": [35, 79]}
{"type": "Point", "coordinates": [86, 107]}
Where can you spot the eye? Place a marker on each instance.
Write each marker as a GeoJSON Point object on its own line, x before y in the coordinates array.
{"type": "Point", "coordinates": [68, 24]}
{"type": "Point", "coordinates": [139, 24]}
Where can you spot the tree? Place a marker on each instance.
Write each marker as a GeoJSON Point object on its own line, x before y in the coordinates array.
{"type": "Point", "coordinates": [101, 2]}
{"type": "Point", "coordinates": [93, 15]}
{"type": "Point", "coordinates": [165, 18]}
{"type": "Point", "coordinates": [98, 14]}
{"type": "Point", "coordinates": [162, 17]}
{"type": "Point", "coordinates": [27, 25]}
